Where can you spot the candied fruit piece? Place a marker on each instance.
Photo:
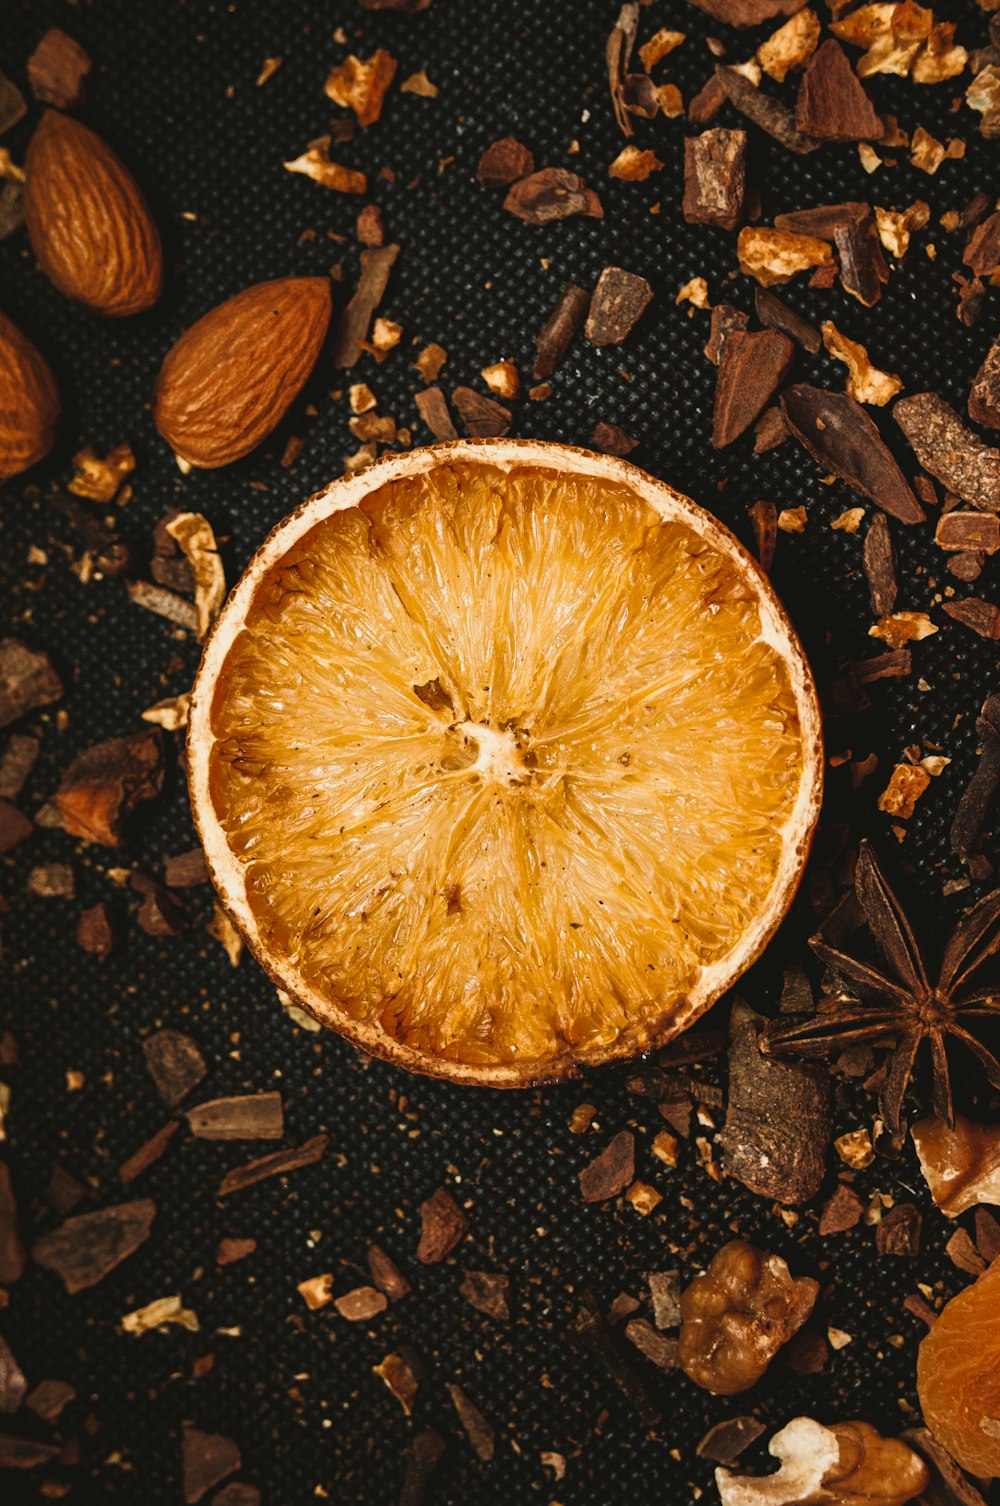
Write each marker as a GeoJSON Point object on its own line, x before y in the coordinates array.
{"type": "Point", "coordinates": [737, 1316]}
{"type": "Point", "coordinates": [958, 1375]}
{"type": "Point", "coordinates": [849, 1464]}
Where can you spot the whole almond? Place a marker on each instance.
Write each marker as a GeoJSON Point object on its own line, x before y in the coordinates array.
{"type": "Point", "coordinates": [228, 381]}
{"type": "Point", "coordinates": [29, 402]}
{"type": "Point", "coordinates": [89, 224]}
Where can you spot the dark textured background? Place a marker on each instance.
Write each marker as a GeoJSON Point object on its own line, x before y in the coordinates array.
{"type": "Point", "coordinates": [173, 90]}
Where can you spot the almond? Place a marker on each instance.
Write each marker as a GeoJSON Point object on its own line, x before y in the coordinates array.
{"type": "Point", "coordinates": [229, 380]}
{"type": "Point", "coordinates": [89, 224]}
{"type": "Point", "coordinates": [29, 402]}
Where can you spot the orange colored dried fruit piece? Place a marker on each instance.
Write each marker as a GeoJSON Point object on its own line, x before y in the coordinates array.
{"type": "Point", "coordinates": [737, 1316]}
{"type": "Point", "coordinates": [958, 1376]}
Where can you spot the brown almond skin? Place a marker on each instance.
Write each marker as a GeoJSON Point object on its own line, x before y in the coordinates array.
{"type": "Point", "coordinates": [89, 224]}
{"type": "Point", "coordinates": [229, 380]}
{"type": "Point", "coordinates": [29, 402]}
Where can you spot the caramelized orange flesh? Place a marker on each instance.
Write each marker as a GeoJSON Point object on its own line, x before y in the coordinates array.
{"type": "Point", "coordinates": [505, 760]}
{"type": "Point", "coordinates": [958, 1375]}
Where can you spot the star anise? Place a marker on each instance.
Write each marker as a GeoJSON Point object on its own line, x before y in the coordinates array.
{"type": "Point", "coordinates": [899, 1005]}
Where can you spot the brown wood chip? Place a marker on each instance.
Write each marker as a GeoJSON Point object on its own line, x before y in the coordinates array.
{"type": "Point", "coordinates": [250, 1116]}
{"type": "Point", "coordinates": [49, 1398]}
{"type": "Point", "coordinates": [386, 1274]}
{"type": "Point", "coordinates": [274, 1165]}
{"type": "Point", "coordinates": [762, 110]}
{"type": "Point", "coordinates": [479, 1431]}
{"type": "Point", "coordinates": [483, 417]}
{"type": "Point", "coordinates": [962, 531]}
{"type": "Point", "coordinates": [774, 313]}
{"type": "Point", "coordinates": [13, 1381]}
{"type": "Point", "coordinates": [553, 193]}
{"type": "Point", "coordinates": [726, 1441]}
{"type": "Point", "coordinates": [207, 1459]}
{"type": "Point", "coordinates": [841, 437]}
{"type": "Point", "coordinates": [443, 1226]}
{"type": "Point", "coordinates": [432, 405]}
{"type": "Point", "coordinates": [489, 1293]}
{"type": "Point", "coordinates": [778, 1126]}
{"type": "Point", "coordinates": [987, 1235]}
{"type": "Point", "coordinates": [504, 162]}
{"type": "Point", "coordinates": [984, 398]}
{"type": "Point", "coordinates": [15, 826]}
{"type": "Point", "coordinates": [950, 451]}
{"type": "Point", "coordinates": [612, 440]}
{"type": "Point", "coordinates": [175, 1064]}
{"type": "Point", "coordinates": [983, 617]}
{"type": "Point", "coordinates": [754, 365]}
{"type": "Point", "coordinates": [85, 1248]}
{"type": "Point", "coordinates": [861, 264]}
{"type": "Point", "coordinates": [982, 253]}
{"type": "Point", "coordinates": [725, 319]}
{"type": "Point", "coordinates": [352, 328]}
{"type": "Point", "coordinates": [559, 329]}
{"type": "Point", "coordinates": [963, 1253]}
{"type": "Point", "coordinates": [28, 679]}
{"type": "Point", "coordinates": [748, 12]}
{"type": "Point", "coordinates": [832, 104]}
{"type": "Point", "coordinates": [842, 1211]}
{"type": "Point", "coordinates": [662, 1351]}
{"type": "Point", "coordinates": [619, 301]}
{"type": "Point", "coordinates": [422, 1457]}
{"type": "Point", "coordinates": [715, 178]}
{"type": "Point", "coordinates": [104, 785]}
{"type": "Point", "coordinates": [16, 763]}
{"type": "Point", "coordinates": [12, 1256]}
{"type": "Point", "coordinates": [707, 103]}
{"type": "Point", "coordinates": [611, 1171]}
{"type": "Point", "coordinates": [237, 1493]}
{"type": "Point", "coordinates": [880, 565]}
{"type": "Point", "coordinates": [26, 1453]}
{"type": "Point", "coordinates": [362, 1303]}
{"type": "Point", "coordinates": [186, 869]}
{"type": "Point", "coordinates": [898, 1233]}
{"type": "Point", "coordinates": [141, 1159]}
{"type": "Point", "coordinates": [58, 69]}
{"type": "Point", "coordinates": [231, 1250]}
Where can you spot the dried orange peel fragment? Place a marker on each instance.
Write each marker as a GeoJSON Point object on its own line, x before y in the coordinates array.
{"type": "Point", "coordinates": [505, 759]}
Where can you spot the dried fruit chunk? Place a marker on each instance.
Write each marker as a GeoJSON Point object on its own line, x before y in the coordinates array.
{"type": "Point", "coordinates": [29, 402]}
{"type": "Point", "coordinates": [361, 84]}
{"type": "Point", "coordinates": [58, 70]}
{"type": "Point", "coordinates": [553, 193]}
{"type": "Point", "coordinates": [28, 679]}
{"type": "Point", "coordinates": [776, 256]}
{"type": "Point", "coordinates": [504, 162]}
{"type": "Point", "coordinates": [849, 1463]}
{"type": "Point", "coordinates": [958, 1375]}
{"type": "Point", "coordinates": [231, 377]}
{"type": "Point", "coordinates": [351, 610]}
{"type": "Point", "coordinates": [89, 224]}
{"type": "Point", "coordinates": [736, 1317]}
{"type": "Point", "coordinates": [961, 1166]}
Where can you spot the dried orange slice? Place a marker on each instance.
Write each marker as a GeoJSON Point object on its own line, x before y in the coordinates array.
{"type": "Point", "coordinates": [505, 759]}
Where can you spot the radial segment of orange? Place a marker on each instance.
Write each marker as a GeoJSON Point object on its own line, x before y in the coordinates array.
{"type": "Point", "coordinates": [505, 761]}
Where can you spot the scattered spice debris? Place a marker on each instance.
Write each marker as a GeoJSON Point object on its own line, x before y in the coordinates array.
{"type": "Point", "coordinates": [842, 438]}
{"type": "Point", "coordinates": [443, 1226]}
{"type": "Point", "coordinates": [778, 1124]}
{"type": "Point", "coordinates": [552, 193]}
{"type": "Point", "coordinates": [84, 1249]}
{"type": "Point", "coordinates": [898, 1231]}
{"type": "Point", "coordinates": [754, 365]}
{"type": "Point", "coordinates": [591, 1334]}
{"type": "Point", "coordinates": [278, 1164]}
{"type": "Point", "coordinates": [618, 303]}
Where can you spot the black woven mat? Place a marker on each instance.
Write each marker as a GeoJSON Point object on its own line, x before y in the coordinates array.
{"type": "Point", "coordinates": [174, 91]}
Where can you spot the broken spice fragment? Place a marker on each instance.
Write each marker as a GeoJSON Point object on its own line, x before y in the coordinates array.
{"type": "Point", "coordinates": [618, 303]}
{"type": "Point", "coordinates": [104, 785]}
{"type": "Point", "coordinates": [552, 193]}
{"type": "Point", "coordinates": [961, 1165]}
{"type": "Point", "coordinates": [610, 1172]}
{"type": "Point", "coordinates": [443, 1226]}
{"type": "Point", "coordinates": [84, 1249]}
{"type": "Point", "coordinates": [753, 367]}
{"type": "Point", "coordinates": [842, 438]}
{"type": "Point", "coordinates": [715, 178]}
